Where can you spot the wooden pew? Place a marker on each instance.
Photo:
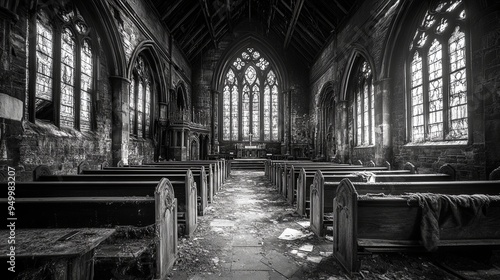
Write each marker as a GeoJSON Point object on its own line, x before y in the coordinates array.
{"type": "Point", "coordinates": [306, 179]}
{"type": "Point", "coordinates": [394, 222]}
{"type": "Point", "coordinates": [56, 205]}
{"type": "Point", "coordinates": [213, 174]}
{"type": "Point", "coordinates": [185, 192]}
{"type": "Point", "coordinates": [139, 175]}
{"type": "Point", "coordinates": [294, 173]}
{"type": "Point", "coordinates": [201, 178]}
{"type": "Point", "coordinates": [220, 167]}
{"type": "Point", "coordinates": [324, 189]}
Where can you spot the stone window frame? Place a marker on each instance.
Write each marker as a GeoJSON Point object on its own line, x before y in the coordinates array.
{"type": "Point", "coordinates": [239, 64]}
{"type": "Point", "coordinates": [357, 87]}
{"type": "Point", "coordinates": [454, 20]}
{"type": "Point", "coordinates": [55, 16]}
{"type": "Point", "coordinates": [142, 75]}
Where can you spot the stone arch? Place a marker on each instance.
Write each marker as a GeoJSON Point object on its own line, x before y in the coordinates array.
{"type": "Point", "coordinates": [249, 41]}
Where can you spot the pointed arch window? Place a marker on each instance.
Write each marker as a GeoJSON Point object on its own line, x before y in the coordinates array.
{"type": "Point", "coordinates": [61, 68]}
{"type": "Point", "coordinates": [437, 75]}
{"type": "Point", "coordinates": [250, 99]}
{"type": "Point", "coordinates": [140, 99]}
{"type": "Point", "coordinates": [364, 103]}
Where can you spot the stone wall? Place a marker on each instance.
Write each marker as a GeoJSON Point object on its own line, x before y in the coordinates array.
{"type": "Point", "coordinates": [29, 144]}
{"type": "Point", "coordinates": [377, 30]}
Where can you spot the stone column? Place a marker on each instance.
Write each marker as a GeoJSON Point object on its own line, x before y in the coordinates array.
{"type": "Point", "coordinates": [120, 119]}
{"type": "Point", "coordinates": [383, 141]}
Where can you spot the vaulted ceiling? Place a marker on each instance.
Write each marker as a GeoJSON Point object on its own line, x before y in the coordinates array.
{"type": "Point", "coordinates": [304, 25]}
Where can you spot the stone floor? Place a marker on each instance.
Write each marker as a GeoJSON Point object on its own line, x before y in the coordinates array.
{"type": "Point", "coordinates": [239, 238]}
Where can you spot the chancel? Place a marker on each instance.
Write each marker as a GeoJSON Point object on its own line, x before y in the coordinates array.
{"type": "Point", "coordinates": [262, 139]}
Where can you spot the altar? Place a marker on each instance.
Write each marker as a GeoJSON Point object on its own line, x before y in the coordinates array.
{"type": "Point", "coordinates": [250, 150]}
{"type": "Point", "coordinates": [245, 150]}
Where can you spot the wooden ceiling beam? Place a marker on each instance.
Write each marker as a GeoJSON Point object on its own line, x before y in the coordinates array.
{"type": "Point", "coordinates": [179, 23]}
{"type": "Point", "coordinates": [340, 6]}
{"type": "Point", "coordinates": [170, 10]}
{"type": "Point", "coordinates": [197, 42]}
{"type": "Point", "coordinates": [272, 8]}
{"type": "Point", "coordinates": [318, 11]}
{"type": "Point", "coordinates": [208, 21]}
{"type": "Point", "coordinates": [293, 22]}
{"type": "Point", "coordinates": [228, 16]}
{"type": "Point", "coordinates": [184, 40]}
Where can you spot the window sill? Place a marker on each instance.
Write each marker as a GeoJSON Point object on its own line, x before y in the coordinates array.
{"type": "Point", "coordinates": [438, 144]}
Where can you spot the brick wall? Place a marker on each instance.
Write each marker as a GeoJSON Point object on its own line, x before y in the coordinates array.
{"type": "Point", "coordinates": [62, 149]}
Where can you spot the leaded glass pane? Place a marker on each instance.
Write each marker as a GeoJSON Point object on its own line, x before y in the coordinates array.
{"type": "Point", "coordinates": [457, 50]}
{"type": "Point", "coordinates": [44, 53]}
{"type": "Point", "coordinates": [274, 113]}
{"type": "Point", "coordinates": [147, 109]}
{"type": "Point", "coordinates": [235, 113]}
{"type": "Point", "coordinates": [359, 118]}
{"type": "Point", "coordinates": [86, 86]}
{"type": "Point", "coordinates": [458, 87]}
{"type": "Point", "coordinates": [372, 112]}
{"type": "Point", "coordinates": [226, 113]}
{"type": "Point", "coordinates": [131, 102]}
{"type": "Point", "coordinates": [256, 113]}
{"type": "Point", "coordinates": [140, 108]}
{"type": "Point", "coordinates": [262, 64]}
{"type": "Point", "coordinates": [435, 128]}
{"type": "Point", "coordinates": [267, 113]}
{"type": "Point", "coordinates": [250, 75]}
{"type": "Point", "coordinates": [67, 79]}
{"type": "Point", "coordinates": [366, 122]}
{"type": "Point", "coordinates": [245, 120]}
{"type": "Point", "coordinates": [238, 63]}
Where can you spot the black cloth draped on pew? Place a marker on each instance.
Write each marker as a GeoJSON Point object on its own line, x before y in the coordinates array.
{"type": "Point", "coordinates": [459, 211]}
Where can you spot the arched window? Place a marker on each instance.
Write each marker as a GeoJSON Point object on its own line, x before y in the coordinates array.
{"type": "Point", "coordinates": [61, 68]}
{"type": "Point", "coordinates": [140, 99]}
{"type": "Point", "coordinates": [250, 99]}
{"type": "Point", "coordinates": [364, 102]}
{"type": "Point", "coordinates": [437, 75]}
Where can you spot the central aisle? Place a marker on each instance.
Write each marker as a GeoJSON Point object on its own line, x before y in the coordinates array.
{"type": "Point", "coordinates": [238, 238]}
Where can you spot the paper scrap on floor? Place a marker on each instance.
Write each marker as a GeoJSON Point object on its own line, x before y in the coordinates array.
{"type": "Point", "coordinates": [314, 259]}
{"type": "Point", "coordinates": [292, 234]}
{"type": "Point", "coordinates": [306, 247]}
{"type": "Point", "coordinates": [304, 223]}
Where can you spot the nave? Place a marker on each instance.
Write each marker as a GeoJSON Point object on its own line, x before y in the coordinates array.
{"type": "Point", "coordinates": [239, 239]}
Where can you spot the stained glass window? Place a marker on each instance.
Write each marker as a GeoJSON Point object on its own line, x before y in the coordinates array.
{"type": "Point", "coordinates": [65, 72]}
{"type": "Point", "coordinates": [86, 87]}
{"type": "Point", "coordinates": [44, 64]}
{"type": "Point", "coordinates": [140, 99]}
{"type": "Point", "coordinates": [250, 99]}
{"type": "Point", "coordinates": [67, 78]}
{"type": "Point", "coordinates": [364, 105]}
{"type": "Point", "coordinates": [437, 73]}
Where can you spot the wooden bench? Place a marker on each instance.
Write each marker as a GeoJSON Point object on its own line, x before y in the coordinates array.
{"type": "Point", "coordinates": [393, 221]}
{"type": "Point", "coordinates": [290, 188]}
{"type": "Point", "coordinates": [324, 189]}
{"type": "Point", "coordinates": [221, 167]}
{"type": "Point", "coordinates": [211, 173]}
{"type": "Point", "coordinates": [131, 174]}
{"type": "Point", "coordinates": [149, 205]}
{"type": "Point", "coordinates": [306, 178]}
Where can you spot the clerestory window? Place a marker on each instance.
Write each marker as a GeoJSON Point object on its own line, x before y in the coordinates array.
{"type": "Point", "coordinates": [250, 106]}
{"type": "Point", "coordinates": [437, 74]}
{"type": "Point", "coordinates": [364, 102]}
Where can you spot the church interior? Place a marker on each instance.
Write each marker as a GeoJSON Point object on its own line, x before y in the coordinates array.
{"type": "Point", "coordinates": [300, 93]}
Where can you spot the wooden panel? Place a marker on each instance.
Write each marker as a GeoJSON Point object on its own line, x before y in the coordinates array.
{"type": "Point", "coordinates": [345, 231]}
{"type": "Point", "coordinates": [317, 212]}
{"type": "Point", "coordinates": [166, 228]}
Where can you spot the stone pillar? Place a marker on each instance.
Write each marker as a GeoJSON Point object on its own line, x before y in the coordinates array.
{"type": "Point", "coordinates": [120, 119]}
{"type": "Point", "coordinates": [383, 140]}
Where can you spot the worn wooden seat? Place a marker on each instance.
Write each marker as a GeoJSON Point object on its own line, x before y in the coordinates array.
{"type": "Point", "coordinates": [139, 175]}
{"type": "Point", "coordinates": [391, 221]}
{"type": "Point", "coordinates": [324, 189]}
{"type": "Point", "coordinates": [148, 204]}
